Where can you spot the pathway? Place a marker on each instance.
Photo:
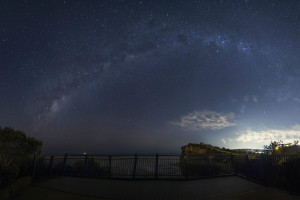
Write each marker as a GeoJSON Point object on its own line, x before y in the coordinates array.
{"type": "Point", "coordinates": [232, 187]}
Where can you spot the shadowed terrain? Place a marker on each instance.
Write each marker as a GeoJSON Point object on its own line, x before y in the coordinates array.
{"type": "Point", "coordinates": [232, 187]}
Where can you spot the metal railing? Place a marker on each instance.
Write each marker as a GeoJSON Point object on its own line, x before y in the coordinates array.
{"type": "Point", "coordinates": [275, 170]}
{"type": "Point", "coordinates": [155, 166]}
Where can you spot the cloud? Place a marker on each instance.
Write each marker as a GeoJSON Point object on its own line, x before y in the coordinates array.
{"type": "Point", "coordinates": [296, 99]}
{"type": "Point", "coordinates": [266, 136]}
{"type": "Point", "coordinates": [253, 98]}
{"type": "Point", "coordinates": [243, 109]}
{"type": "Point", "coordinates": [223, 141]}
{"type": "Point", "coordinates": [204, 120]}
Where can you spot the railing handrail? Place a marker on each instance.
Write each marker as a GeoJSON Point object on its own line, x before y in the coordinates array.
{"type": "Point", "coordinates": [262, 167]}
{"type": "Point", "coordinates": [160, 154]}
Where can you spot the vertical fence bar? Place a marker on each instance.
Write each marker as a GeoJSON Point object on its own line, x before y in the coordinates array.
{"type": "Point", "coordinates": [109, 166]}
{"type": "Point", "coordinates": [134, 166]}
{"type": "Point", "coordinates": [247, 165]}
{"type": "Point", "coordinates": [34, 165]}
{"type": "Point", "coordinates": [85, 165]}
{"type": "Point", "coordinates": [50, 165]}
{"type": "Point", "coordinates": [209, 164]}
{"type": "Point", "coordinates": [65, 164]}
{"type": "Point", "coordinates": [234, 164]}
{"type": "Point", "coordinates": [266, 168]}
{"type": "Point", "coordinates": [156, 166]}
{"type": "Point", "coordinates": [186, 167]}
{"type": "Point", "coordinates": [261, 167]}
{"type": "Point", "coordinates": [231, 161]}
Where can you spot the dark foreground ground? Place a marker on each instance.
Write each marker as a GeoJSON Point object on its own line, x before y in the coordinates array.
{"type": "Point", "coordinates": [232, 187]}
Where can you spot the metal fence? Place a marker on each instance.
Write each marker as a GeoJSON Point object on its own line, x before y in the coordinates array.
{"type": "Point", "coordinates": [155, 166]}
{"type": "Point", "coordinates": [276, 170]}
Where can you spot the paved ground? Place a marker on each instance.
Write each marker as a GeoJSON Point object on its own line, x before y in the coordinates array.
{"type": "Point", "coordinates": [232, 187]}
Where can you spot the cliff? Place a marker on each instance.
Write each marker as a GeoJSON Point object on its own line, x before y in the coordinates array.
{"type": "Point", "coordinates": [202, 149]}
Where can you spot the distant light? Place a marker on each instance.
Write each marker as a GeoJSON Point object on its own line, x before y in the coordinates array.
{"type": "Point", "coordinates": [84, 153]}
{"type": "Point", "coordinates": [276, 148]}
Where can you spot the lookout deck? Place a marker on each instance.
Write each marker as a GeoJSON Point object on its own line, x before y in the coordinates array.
{"type": "Point", "coordinates": [232, 187]}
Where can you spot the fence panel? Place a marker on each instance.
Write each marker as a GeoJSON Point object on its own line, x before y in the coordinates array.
{"type": "Point", "coordinates": [122, 166]}
{"type": "Point", "coordinates": [277, 170]}
{"type": "Point", "coordinates": [170, 166]}
{"type": "Point", "coordinates": [153, 166]}
{"type": "Point", "coordinates": [146, 165]}
{"type": "Point", "coordinates": [208, 165]}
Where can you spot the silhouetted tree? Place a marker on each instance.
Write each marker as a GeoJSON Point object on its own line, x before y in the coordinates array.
{"type": "Point", "coordinates": [277, 147]}
{"type": "Point", "coordinates": [273, 146]}
{"type": "Point", "coordinates": [15, 149]}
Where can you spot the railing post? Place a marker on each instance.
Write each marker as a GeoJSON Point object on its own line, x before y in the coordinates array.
{"type": "Point", "coordinates": [156, 166]}
{"type": "Point", "coordinates": [50, 166]}
{"type": "Point", "coordinates": [262, 167]}
{"type": "Point", "coordinates": [109, 166]}
{"type": "Point", "coordinates": [247, 165]}
{"type": "Point", "coordinates": [186, 167]}
{"type": "Point", "coordinates": [65, 164]}
{"type": "Point", "coordinates": [85, 165]}
{"type": "Point", "coordinates": [233, 164]}
{"type": "Point", "coordinates": [209, 164]}
{"type": "Point", "coordinates": [134, 167]}
{"type": "Point", "coordinates": [34, 165]}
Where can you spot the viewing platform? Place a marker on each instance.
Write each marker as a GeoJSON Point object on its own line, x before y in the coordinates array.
{"type": "Point", "coordinates": [221, 188]}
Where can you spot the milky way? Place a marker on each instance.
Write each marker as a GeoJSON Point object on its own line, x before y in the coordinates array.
{"type": "Point", "coordinates": [150, 76]}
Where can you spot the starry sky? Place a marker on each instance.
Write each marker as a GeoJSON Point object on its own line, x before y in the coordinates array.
{"type": "Point", "coordinates": [103, 76]}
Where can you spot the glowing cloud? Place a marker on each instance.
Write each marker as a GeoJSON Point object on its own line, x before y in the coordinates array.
{"type": "Point", "coordinates": [223, 141]}
{"type": "Point", "coordinates": [204, 120]}
{"type": "Point", "coordinates": [266, 136]}
{"type": "Point", "coordinates": [253, 98]}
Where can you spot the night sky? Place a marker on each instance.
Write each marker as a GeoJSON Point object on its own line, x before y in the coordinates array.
{"type": "Point", "coordinates": [150, 76]}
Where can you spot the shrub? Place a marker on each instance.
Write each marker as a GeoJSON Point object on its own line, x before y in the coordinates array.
{"type": "Point", "coordinates": [16, 151]}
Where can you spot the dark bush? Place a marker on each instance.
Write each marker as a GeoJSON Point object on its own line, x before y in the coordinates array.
{"type": "Point", "coordinates": [16, 154]}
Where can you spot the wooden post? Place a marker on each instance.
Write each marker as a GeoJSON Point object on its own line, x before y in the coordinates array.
{"type": "Point", "coordinates": [134, 167]}
{"type": "Point", "coordinates": [65, 164]}
{"type": "Point", "coordinates": [34, 165]}
{"type": "Point", "coordinates": [109, 166]}
{"type": "Point", "coordinates": [156, 166]}
{"type": "Point", "coordinates": [50, 166]}
{"type": "Point", "coordinates": [85, 165]}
